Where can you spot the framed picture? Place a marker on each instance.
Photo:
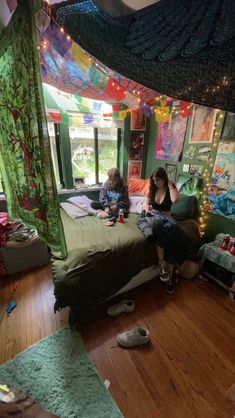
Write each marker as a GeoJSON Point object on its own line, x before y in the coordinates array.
{"type": "Point", "coordinates": [137, 146]}
{"type": "Point", "coordinates": [195, 170]}
{"type": "Point", "coordinates": [171, 170]}
{"type": "Point", "coordinates": [170, 139]}
{"type": "Point", "coordinates": [138, 120]}
{"type": "Point", "coordinates": [228, 132]}
{"type": "Point", "coordinates": [201, 129]}
{"type": "Point", "coordinates": [134, 169]}
{"type": "Point", "coordinates": [189, 186]}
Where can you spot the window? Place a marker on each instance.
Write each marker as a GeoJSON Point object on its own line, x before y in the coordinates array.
{"type": "Point", "coordinates": [83, 152]}
{"type": "Point", "coordinates": [51, 132]}
{"type": "Point", "coordinates": [107, 151]}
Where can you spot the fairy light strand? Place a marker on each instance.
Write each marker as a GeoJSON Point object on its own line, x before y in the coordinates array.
{"type": "Point", "coordinates": [207, 174]}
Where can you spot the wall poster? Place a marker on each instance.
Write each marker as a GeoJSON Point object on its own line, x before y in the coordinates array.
{"type": "Point", "coordinates": [170, 138]}
{"type": "Point", "coordinates": [221, 193]}
{"type": "Point", "coordinates": [202, 124]}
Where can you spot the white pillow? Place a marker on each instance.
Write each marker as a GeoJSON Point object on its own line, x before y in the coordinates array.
{"type": "Point", "coordinates": [136, 204]}
{"type": "Point", "coordinates": [72, 210]}
{"type": "Point", "coordinates": [84, 203]}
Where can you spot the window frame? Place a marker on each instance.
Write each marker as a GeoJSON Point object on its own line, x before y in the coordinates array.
{"type": "Point", "coordinates": [63, 149]}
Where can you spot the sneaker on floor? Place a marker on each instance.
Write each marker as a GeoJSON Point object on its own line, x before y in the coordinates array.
{"type": "Point", "coordinates": [134, 337]}
{"type": "Point", "coordinates": [121, 307]}
{"type": "Point", "coordinates": [170, 288]}
{"type": "Point", "coordinates": [164, 275]}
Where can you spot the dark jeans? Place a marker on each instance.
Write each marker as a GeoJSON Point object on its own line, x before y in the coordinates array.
{"type": "Point", "coordinates": [99, 205]}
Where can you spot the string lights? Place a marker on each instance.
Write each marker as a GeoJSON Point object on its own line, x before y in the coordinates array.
{"type": "Point", "coordinates": [203, 204]}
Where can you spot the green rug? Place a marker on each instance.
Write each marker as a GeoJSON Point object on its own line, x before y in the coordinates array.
{"type": "Point", "coordinates": [58, 374]}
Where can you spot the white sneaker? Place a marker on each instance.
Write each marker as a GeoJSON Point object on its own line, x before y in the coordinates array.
{"type": "Point", "coordinates": [133, 337]}
{"type": "Point", "coordinates": [121, 307]}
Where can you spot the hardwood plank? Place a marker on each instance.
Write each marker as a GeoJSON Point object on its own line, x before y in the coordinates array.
{"type": "Point", "coordinates": [186, 370]}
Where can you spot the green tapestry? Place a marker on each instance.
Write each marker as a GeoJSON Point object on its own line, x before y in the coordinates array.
{"type": "Point", "coordinates": [25, 155]}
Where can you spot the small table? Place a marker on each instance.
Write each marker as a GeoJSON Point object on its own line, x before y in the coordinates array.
{"type": "Point", "coordinates": [220, 259]}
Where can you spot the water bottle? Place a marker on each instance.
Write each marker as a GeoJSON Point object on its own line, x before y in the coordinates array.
{"type": "Point", "coordinates": [232, 249]}
{"type": "Point", "coordinates": [225, 242]}
{"type": "Point", "coordinates": [121, 216]}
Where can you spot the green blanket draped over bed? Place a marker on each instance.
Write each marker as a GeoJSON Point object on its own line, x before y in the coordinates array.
{"type": "Point", "coordinates": [101, 260]}
{"type": "Point", "coordinates": [25, 156]}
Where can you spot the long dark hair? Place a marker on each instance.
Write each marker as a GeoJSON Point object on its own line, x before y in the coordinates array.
{"type": "Point", "coordinates": [114, 174]}
{"type": "Point", "coordinates": [159, 173]}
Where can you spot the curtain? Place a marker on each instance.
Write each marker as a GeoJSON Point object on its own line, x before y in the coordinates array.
{"type": "Point", "coordinates": [25, 155]}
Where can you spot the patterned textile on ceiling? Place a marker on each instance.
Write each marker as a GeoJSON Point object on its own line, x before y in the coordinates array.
{"type": "Point", "coordinates": [65, 66]}
{"type": "Point", "coordinates": [25, 157]}
{"type": "Point", "coordinates": [180, 48]}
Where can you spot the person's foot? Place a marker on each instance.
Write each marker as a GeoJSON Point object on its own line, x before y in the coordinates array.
{"type": "Point", "coordinates": [170, 286]}
{"type": "Point", "coordinates": [102, 214]}
{"type": "Point", "coordinates": [164, 275]}
{"type": "Point", "coordinates": [112, 220]}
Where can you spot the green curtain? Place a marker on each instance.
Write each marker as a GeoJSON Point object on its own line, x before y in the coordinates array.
{"type": "Point", "coordinates": [25, 155]}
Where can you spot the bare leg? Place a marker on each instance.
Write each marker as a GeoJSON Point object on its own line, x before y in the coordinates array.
{"type": "Point", "coordinates": [170, 270]}
{"type": "Point", "coordinates": [160, 253]}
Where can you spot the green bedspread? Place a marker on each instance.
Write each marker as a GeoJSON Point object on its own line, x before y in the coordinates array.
{"type": "Point", "coordinates": [101, 260]}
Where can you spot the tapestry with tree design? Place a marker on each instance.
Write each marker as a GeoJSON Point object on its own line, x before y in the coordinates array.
{"type": "Point", "coordinates": [25, 155]}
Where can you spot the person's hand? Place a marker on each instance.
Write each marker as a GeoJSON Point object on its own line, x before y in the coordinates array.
{"type": "Point", "coordinates": [106, 210]}
{"type": "Point", "coordinates": [113, 207]}
{"type": "Point", "coordinates": [170, 185]}
{"type": "Point", "coordinates": [146, 207]}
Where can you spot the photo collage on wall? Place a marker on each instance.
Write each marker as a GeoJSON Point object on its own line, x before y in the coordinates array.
{"type": "Point", "coordinates": [136, 152]}
{"type": "Point", "coordinates": [170, 144]}
{"type": "Point", "coordinates": [199, 149]}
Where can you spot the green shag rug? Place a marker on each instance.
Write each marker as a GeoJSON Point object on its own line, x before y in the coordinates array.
{"type": "Point", "coordinates": [58, 374]}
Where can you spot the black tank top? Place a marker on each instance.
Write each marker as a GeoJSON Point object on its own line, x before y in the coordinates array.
{"type": "Point", "coordinates": [165, 206]}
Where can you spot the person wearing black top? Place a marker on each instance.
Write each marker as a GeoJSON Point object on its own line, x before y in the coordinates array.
{"type": "Point", "coordinates": [162, 193]}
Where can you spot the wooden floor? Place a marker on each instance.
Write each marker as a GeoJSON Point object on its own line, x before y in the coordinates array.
{"type": "Point", "coordinates": [184, 373]}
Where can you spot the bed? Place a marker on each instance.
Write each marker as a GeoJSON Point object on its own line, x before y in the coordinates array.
{"type": "Point", "coordinates": [101, 260]}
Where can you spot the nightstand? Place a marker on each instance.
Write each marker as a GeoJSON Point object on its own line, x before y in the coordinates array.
{"type": "Point", "coordinates": [219, 265]}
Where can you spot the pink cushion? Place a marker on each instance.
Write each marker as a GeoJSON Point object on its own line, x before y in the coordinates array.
{"type": "Point", "coordinates": [138, 186]}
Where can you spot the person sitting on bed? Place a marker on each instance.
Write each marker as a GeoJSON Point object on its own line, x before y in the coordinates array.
{"type": "Point", "coordinates": [113, 195]}
{"type": "Point", "coordinates": [162, 193]}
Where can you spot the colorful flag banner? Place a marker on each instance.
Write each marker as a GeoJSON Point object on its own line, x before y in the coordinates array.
{"type": "Point", "coordinates": [80, 58]}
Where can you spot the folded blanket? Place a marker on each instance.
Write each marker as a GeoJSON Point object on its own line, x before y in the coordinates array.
{"type": "Point", "coordinates": [72, 210]}
{"type": "Point", "coordinates": [136, 204]}
{"type": "Point", "coordinates": [84, 203]}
